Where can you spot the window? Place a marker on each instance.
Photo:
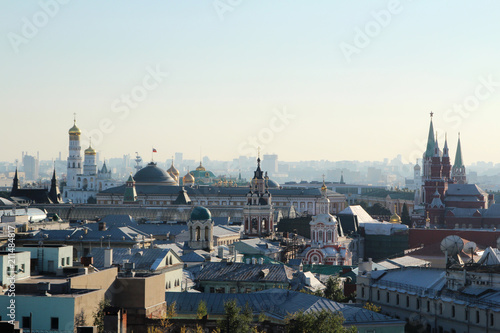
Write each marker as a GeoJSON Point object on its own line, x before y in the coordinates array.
{"type": "Point", "coordinates": [378, 295]}
{"type": "Point", "coordinates": [440, 308]}
{"type": "Point", "coordinates": [67, 261]}
{"type": "Point", "coordinates": [54, 323]}
{"type": "Point", "coordinates": [466, 314]}
{"type": "Point", "coordinates": [492, 319]}
{"type": "Point", "coordinates": [453, 311]}
{"type": "Point", "coordinates": [477, 317]}
{"type": "Point", "coordinates": [362, 292]}
{"type": "Point", "coordinates": [397, 299]}
{"type": "Point", "coordinates": [418, 304]}
{"type": "Point", "coordinates": [26, 322]}
{"type": "Point", "coordinates": [212, 290]}
{"type": "Point", "coordinates": [407, 301]}
{"type": "Point", "coordinates": [232, 290]}
{"type": "Point", "coordinates": [387, 297]}
{"type": "Point", "coordinates": [62, 261]}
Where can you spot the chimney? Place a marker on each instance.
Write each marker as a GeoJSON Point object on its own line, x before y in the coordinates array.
{"type": "Point", "coordinates": [248, 261]}
{"type": "Point", "coordinates": [221, 252]}
{"type": "Point", "coordinates": [254, 261]}
{"type": "Point", "coordinates": [102, 226]}
{"type": "Point", "coordinates": [261, 261]}
{"type": "Point", "coordinates": [108, 258]}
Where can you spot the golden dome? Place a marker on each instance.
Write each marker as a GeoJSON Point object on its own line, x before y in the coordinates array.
{"type": "Point", "coordinates": [173, 170]}
{"type": "Point", "coordinates": [74, 130]}
{"type": "Point", "coordinates": [395, 218]}
{"type": "Point", "coordinates": [90, 151]}
{"type": "Point", "coordinates": [188, 179]}
{"type": "Point", "coordinates": [200, 168]}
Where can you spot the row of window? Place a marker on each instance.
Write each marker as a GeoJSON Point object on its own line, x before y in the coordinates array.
{"type": "Point", "coordinates": [26, 323]}
{"type": "Point", "coordinates": [66, 260]}
{"type": "Point", "coordinates": [177, 283]}
{"type": "Point", "coordinates": [428, 307]}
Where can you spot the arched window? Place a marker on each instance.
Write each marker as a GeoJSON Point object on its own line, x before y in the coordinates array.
{"type": "Point", "coordinates": [329, 235]}
{"type": "Point", "coordinates": [207, 233]}
{"type": "Point", "coordinates": [320, 236]}
{"type": "Point", "coordinates": [198, 233]}
{"type": "Point", "coordinates": [170, 260]}
{"type": "Point", "coordinates": [73, 164]}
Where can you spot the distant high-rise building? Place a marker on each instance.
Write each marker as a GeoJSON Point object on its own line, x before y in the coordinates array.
{"type": "Point", "coordinates": [30, 166]}
{"type": "Point", "coordinates": [270, 163]}
{"type": "Point", "coordinates": [178, 158]}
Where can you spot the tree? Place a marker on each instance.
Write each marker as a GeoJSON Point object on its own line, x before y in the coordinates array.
{"type": "Point", "coordinates": [371, 307]}
{"type": "Point", "coordinates": [99, 315]}
{"type": "Point", "coordinates": [236, 320]}
{"type": "Point", "coordinates": [405, 215]}
{"type": "Point", "coordinates": [165, 323]}
{"type": "Point", "coordinates": [321, 321]}
{"type": "Point", "coordinates": [202, 310]}
{"type": "Point", "coordinates": [378, 209]}
{"type": "Point", "coordinates": [333, 289]}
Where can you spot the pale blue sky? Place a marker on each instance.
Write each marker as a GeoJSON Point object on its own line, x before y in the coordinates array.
{"type": "Point", "coordinates": [226, 76]}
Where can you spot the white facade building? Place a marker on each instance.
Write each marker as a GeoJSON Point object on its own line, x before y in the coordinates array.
{"type": "Point", "coordinates": [84, 180]}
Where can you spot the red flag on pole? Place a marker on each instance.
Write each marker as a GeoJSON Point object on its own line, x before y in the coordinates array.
{"type": "Point", "coordinates": [154, 150]}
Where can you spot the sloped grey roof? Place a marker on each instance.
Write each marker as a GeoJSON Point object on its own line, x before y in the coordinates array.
{"type": "Point", "coordinates": [5, 202]}
{"type": "Point", "coordinates": [91, 232]}
{"type": "Point", "coordinates": [358, 211]}
{"type": "Point", "coordinates": [118, 220]}
{"type": "Point", "coordinates": [214, 191]}
{"type": "Point", "coordinates": [275, 303]}
{"type": "Point", "coordinates": [245, 272]}
{"type": "Point", "coordinates": [461, 198]}
{"type": "Point", "coordinates": [465, 189]}
{"type": "Point", "coordinates": [195, 256]}
{"type": "Point", "coordinates": [144, 259]}
{"type": "Point", "coordinates": [221, 231]}
{"type": "Point", "coordinates": [406, 261]}
{"type": "Point", "coordinates": [261, 245]}
{"type": "Point", "coordinates": [412, 278]}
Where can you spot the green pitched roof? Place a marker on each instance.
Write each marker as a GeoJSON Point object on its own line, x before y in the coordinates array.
{"type": "Point", "coordinates": [429, 152]}
{"type": "Point", "coordinates": [458, 156]}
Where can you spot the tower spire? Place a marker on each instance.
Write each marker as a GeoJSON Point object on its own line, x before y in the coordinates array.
{"type": "Point", "coordinates": [458, 155]}
{"type": "Point", "coordinates": [429, 152]}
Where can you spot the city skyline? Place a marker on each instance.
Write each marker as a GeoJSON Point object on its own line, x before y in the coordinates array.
{"type": "Point", "coordinates": [349, 81]}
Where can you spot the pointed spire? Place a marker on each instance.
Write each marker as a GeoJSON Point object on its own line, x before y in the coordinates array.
{"type": "Point", "coordinates": [445, 148]}
{"type": "Point", "coordinates": [342, 177]}
{"type": "Point", "coordinates": [436, 147]}
{"type": "Point", "coordinates": [429, 152]}
{"type": "Point", "coordinates": [15, 184]}
{"type": "Point", "coordinates": [458, 156]}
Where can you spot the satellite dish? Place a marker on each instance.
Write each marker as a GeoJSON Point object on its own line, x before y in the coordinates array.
{"type": "Point", "coordinates": [452, 245]}
{"type": "Point", "coordinates": [470, 248]}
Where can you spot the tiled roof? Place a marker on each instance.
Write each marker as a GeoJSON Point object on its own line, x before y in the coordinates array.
{"type": "Point", "coordinates": [245, 272]}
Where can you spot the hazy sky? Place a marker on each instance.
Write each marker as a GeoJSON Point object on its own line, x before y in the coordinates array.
{"type": "Point", "coordinates": [336, 80]}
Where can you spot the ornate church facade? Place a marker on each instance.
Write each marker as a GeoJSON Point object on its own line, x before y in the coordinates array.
{"type": "Point", "coordinates": [325, 247]}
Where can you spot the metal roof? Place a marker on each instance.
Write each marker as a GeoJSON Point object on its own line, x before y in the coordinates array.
{"type": "Point", "coordinates": [144, 259]}
{"type": "Point", "coordinates": [229, 271]}
{"type": "Point", "coordinates": [275, 303]}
